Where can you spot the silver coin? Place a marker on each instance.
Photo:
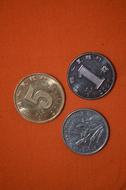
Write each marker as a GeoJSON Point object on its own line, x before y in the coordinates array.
{"type": "Point", "coordinates": [39, 98]}
{"type": "Point", "coordinates": [91, 75]}
{"type": "Point", "coordinates": [85, 131]}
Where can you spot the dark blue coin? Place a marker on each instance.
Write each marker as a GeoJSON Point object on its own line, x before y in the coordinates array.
{"type": "Point", "coordinates": [91, 75]}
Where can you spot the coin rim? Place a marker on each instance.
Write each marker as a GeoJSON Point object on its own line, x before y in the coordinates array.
{"type": "Point", "coordinates": [62, 94]}
{"type": "Point", "coordinates": [113, 71]}
{"type": "Point", "coordinates": [107, 131]}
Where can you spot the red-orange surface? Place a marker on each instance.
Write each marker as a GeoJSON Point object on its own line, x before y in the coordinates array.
{"type": "Point", "coordinates": [45, 36]}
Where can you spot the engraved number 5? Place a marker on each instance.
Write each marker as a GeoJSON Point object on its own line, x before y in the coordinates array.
{"type": "Point", "coordinates": [41, 97]}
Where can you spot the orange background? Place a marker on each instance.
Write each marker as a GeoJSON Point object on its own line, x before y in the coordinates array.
{"type": "Point", "coordinates": [45, 36]}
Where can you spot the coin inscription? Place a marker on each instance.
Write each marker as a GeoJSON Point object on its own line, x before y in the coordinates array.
{"type": "Point", "coordinates": [91, 76]}
{"type": "Point", "coordinates": [39, 98]}
{"type": "Point", "coordinates": [85, 131]}
{"type": "Point", "coordinates": [45, 99]}
{"type": "Point", "coordinates": [83, 71]}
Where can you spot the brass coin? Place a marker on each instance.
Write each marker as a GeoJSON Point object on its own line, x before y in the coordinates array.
{"type": "Point", "coordinates": [39, 98]}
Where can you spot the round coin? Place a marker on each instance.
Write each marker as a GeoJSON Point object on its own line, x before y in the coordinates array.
{"type": "Point", "coordinates": [39, 98]}
{"type": "Point", "coordinates": [91, 75]}
{"type": "Point", "coordinates": [85, 131]}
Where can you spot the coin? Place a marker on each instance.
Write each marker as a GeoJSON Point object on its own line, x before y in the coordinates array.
{"type": "Point", "coordinates": [91, 75]}
{"type": "Point", "coordinates": [39, 98]}
{"type": "Point", "coordinates": [85, 131]}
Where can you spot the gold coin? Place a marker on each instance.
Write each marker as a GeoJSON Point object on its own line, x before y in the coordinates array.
{"type": "Point", "coordinates": [39, 98]}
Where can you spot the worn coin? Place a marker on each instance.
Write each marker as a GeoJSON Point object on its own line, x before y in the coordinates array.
{"type": "Point", "coordinates": [39, 98]}
{"type": "Point", "coordinates": [91, 75]}
{"type": "Point", "coordinates": [85, 131]}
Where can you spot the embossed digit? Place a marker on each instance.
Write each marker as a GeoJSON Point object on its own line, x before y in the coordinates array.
{"type": "Point", "coordinates": [83, 71]}
{"type": "Point", "coordinates": [40, 97]}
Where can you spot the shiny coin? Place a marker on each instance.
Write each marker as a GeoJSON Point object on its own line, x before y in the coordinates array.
{"type": "Point", "coordinates": [39, 98]}
{"type": "Point", "coordinates": [85, 131]}
{"type": "Point", "coordinates": [91, 76]}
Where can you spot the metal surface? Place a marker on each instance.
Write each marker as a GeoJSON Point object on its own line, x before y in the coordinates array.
{"type": "Point", "coordinates": [91, 76]}
{"type": "Point", "coordinates": [85, 131]}
{"type": "Point", "coordinates": [39, 98]}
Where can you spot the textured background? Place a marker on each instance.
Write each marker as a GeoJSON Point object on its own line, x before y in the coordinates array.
{"type": "Point", "coordinates": [45, 36]}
